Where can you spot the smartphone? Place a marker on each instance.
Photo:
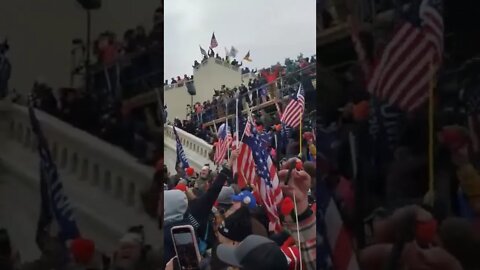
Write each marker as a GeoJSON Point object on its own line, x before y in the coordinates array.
{"type": "Point", "coordinates": [185, 243]}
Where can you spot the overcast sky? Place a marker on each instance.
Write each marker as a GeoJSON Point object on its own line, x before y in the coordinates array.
{"type": "Point", "coordinates": [272, 30]}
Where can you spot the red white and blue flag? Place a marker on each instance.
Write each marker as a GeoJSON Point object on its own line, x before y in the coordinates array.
{"type": "Point", "coordinates": [266, 179]}
{"type": "Point", "coordinates": [334, 242]}
{"type": "Point", "coordinates": [294, 111]}
{"type": "Point", "coordinates": [213, 42]}
{"type": "Point", "coordinates": [223, 144]}
{"type": "Point", "coordinates": [402, 74]}
{"type": "Point", "coordinates": [244, 167]}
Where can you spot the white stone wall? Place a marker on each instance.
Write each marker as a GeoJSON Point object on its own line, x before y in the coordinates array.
{"type": "Point", "coordinates": [210, 75]}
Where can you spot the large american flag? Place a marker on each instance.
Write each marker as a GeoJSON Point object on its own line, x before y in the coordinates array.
{"type": "Point", "coordinates": [294, 110]}
{"type": "Point", "coordinates": [334, 243]}
{"type": "Point", "coordinates": [266, 180]}
{"type": "Point", "coordinates": [56, 209]}
{"type": "Point", "coordinates": [223, 144]}
{"type": "Point", "coordinates": [403, 72]}
{"type": "Point", "coordinates": [181, 157]}
{"type": "Point", "coordinates": [213, 42]}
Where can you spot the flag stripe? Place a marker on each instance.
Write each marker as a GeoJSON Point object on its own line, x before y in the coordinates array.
{"type": "Point", "coordinates": [294, 110]}
{"type": "Point", "coordinates": [213, 42]}
{"type": "Point", "coordinates": [403, 70]}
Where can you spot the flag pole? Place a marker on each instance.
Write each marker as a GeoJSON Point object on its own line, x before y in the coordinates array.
{"type": "Point", "coordinates": [301, 137]}
{"type": "Point", "coordinates": [226, 127]}
{"type": "Point", "coordinates": [236, 122]}
{"type": "Point", "coordinates": [248, 118]}
{"type": "Point", "coordinates": [431, 110]}
{"type": "Point", "coordinates": [278, 108]}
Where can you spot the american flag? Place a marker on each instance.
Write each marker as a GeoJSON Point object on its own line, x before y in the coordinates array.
{"type": "Point", "coordinates": [294, 110]}
{"type": "Point", "coordinates": [181, 157]}
{"type": "Point", "coordinates": [213, 42]}
{"type": "Point", "coordinates": [403, 72]}
{"type": "Point", "coordinates": [473, 111]}
{"type": "Point", "coordinates": [266, 180]}
{"type": "Point", "coordinates": [334, 247]}
{"type": "Point", "coordinates": [244, 166]}
{"type": "Point", "coordinates": [223, 144]}
{"type": "Point", "coordinates": [55, 206]}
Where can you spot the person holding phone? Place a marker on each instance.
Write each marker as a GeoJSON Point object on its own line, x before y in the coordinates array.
{"type": "Point", "coordinates": [179, 211]}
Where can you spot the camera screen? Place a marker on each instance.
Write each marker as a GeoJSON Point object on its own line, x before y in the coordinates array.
{"type": "Point", "coordinates": [186, 253]}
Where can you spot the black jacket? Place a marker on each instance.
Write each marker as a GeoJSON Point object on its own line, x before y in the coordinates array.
{"type": "Point", "coordinates": [201, 207]}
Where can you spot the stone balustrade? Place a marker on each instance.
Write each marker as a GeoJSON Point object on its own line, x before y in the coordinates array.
{"type": "Point", "coordinates": [80, 154]}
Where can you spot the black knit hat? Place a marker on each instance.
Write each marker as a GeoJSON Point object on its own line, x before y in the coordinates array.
{"type": "Point", "coordinates": [254, 253]}
{"type": "Point", "coordinates": [237, 226]}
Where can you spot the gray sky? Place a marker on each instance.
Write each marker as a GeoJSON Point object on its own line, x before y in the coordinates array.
{"type": "Point", "coordinates": [271, 29]}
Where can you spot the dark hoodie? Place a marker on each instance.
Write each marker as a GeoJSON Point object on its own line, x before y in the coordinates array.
{"type": "Point", "coordinates": [197, 214]}
{"type": "Point", "coordinates": [201, 207]}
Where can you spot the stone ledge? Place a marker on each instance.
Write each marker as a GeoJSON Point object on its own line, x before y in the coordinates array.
{"type": "Point", "coordinates": [91, 204]}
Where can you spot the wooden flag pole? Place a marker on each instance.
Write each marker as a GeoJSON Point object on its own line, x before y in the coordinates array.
{"type": "Point", "coordinates": [301, 137]}
{"type": "Point", "coordinates": [431, 111]}
{"type": "Point", "coordinates": [226, 127]}
{"type": "Point", "coordinates": [236, 123]}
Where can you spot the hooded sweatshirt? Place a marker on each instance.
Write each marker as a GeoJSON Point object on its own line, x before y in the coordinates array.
{"type": "Point", "coordinates": [175, 208]}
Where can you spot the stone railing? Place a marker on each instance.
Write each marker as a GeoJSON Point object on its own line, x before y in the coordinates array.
{"type": "Point", "coordinates": [79, 154]}
{"type": "Point", "coordinates": [190, 144]}
{"type": "Point", "coordinates": [102, 182]}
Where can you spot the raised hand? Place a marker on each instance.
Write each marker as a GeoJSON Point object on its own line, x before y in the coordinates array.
{"type": "Point", "coordinates": [298, 183]}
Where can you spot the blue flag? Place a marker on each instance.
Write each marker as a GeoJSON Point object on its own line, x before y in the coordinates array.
{"type": "Point", "coordinates": [181, 157]}
{"type": "Point", "coordinates": [55, 206]}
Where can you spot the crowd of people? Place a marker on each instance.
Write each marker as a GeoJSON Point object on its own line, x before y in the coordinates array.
{"type": "Point", "coordinates": [228, 214]}
{"type": "Point", "coordinates": [389, 193]}
{"type": "Point", "coordinates": [277, 82]}
{"type": "Point", "coordinates": [131, 66]}
{"type": "Point", "coordinates": [408, 197]}
{"type": "Point", "coordinates": [100, 111]}
{"type": "Point", "coordinates": [179, 81]}
{"type": "Point", "coordinates": [132, 130]}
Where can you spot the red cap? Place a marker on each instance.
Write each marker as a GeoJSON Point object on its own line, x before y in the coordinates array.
{"type": "Point", "coordinates": [181, 187]}
{"type": "Point", "coordinates": [82, 250]}
{"type": "Point", "coordinates": [189, 171]}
